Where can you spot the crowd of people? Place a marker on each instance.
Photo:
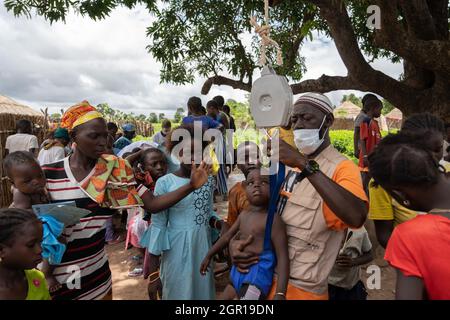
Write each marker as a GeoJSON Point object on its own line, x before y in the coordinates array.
{"type": "Point", "coordinates": [301, 238]}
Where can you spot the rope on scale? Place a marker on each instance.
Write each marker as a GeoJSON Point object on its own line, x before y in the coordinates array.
{"type": "Point", "coordinates": [266, 40]}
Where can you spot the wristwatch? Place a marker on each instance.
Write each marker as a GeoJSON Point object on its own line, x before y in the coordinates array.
{"type": "Point", "coordinates": [311, 168]}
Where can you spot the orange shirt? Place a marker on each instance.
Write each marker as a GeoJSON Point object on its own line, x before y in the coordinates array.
{"type": "Point", "coordinates": [348, 176]}
{"type": "Point", "coordinates": [421, 248]}
{"type": "Point", "coordinates": [237, 202]}
{"type": "Point", "coordinates": [371, 135]}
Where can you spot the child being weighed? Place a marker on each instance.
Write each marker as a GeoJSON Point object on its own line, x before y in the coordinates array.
{"type": "Point", "coordinates": [256, 284]}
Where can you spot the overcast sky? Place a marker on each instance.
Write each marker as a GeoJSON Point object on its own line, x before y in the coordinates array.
{"type": "Point", "coordinates": [55, 66]}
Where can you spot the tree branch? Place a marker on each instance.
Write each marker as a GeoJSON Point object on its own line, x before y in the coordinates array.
{"type": "Point", "coordinates": [429, 54]}
{"type": "Point", "coordinates": [220, 80]}
{"type": "Point", "coordinates": [297, 40]}
{"type": "Point", "coordinates": [439, 12]}
{"type": "Point", "coordinates": [419, 19]}
{"type": "Point", "coordinates": [326, 84]}
{"type": "Point", "coordinates": [336, 15]}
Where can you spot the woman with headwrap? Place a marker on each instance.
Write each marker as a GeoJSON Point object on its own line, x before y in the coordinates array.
{"type": "Point", "coordinates": [54, 149]}
{"type": "Point", "coordinates": [100, 183]}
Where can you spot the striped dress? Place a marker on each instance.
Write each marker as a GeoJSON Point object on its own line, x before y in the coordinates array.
{"type": "Point", "coordinates": [85, 254]}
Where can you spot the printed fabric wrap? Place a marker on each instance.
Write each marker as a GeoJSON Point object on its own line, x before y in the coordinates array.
{"type": "Point", "coordinates": [112, 184]}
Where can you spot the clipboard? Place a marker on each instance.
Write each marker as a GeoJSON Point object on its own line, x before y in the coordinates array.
{"type": "Point", "coordinates": [66, 212]}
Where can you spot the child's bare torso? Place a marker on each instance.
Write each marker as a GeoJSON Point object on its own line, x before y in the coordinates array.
{"type": "Point", "coordinates": [253, 223]}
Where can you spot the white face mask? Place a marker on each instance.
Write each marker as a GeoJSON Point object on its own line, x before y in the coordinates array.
{"type": "Point", "coordinates": [308, 140]}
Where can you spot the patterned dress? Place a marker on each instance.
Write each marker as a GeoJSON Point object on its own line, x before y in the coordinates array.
{"type": "Point", "coordinates": [182, 236]}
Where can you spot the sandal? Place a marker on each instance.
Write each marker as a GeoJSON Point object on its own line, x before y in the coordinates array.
{"type": "Point", "coordinates": [136, 272]}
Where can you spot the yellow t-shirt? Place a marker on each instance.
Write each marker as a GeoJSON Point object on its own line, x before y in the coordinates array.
{"type": "Point", "coordinates": [383, 207]}
{"type": "Point", "coordinates": [285, 135]}
{"type": "Point", "coordinates": [445, 164]}
{"type": "Point", "coordinates": [37, 285]}
{"type": "Point", "coordinates": [215, 166]}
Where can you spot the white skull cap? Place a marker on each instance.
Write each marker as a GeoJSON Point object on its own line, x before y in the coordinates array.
{"type": "Point", "coordinates": [317, 100]}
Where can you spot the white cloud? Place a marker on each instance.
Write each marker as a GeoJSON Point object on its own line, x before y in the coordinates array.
{"type": "Point", "coordinates": [57, 65]}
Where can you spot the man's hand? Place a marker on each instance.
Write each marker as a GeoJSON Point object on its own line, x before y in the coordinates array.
{"type": "Point", "coordinates": [287, 154]}
{"type": "Point", "coordinates": [291, 156]}
{"type": "Point", "coordinates": [344, 261]}
{"type": "Point", "coordinates": [243, 260]}
{"type": "Point", "coordinates": [199, 175]}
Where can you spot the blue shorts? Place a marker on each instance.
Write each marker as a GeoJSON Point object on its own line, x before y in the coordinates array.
{"type": "Point", "coordinates": [259, 274]}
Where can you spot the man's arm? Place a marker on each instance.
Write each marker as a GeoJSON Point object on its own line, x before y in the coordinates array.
{"type": "Point", "coordinates": [34, 146]}
{"type": "Point", "coordinates": [356, 142]}
{"type": "Point", "coordinates": [363, 134]}
{"type": "Point", "coordinates": [34, 151]}
{"type": "Point", "coordinates": [383, 229]}
{"type": "Point", "coordinates": [347, 207]}
{"type": "Point", "coordinates": [280, 244]}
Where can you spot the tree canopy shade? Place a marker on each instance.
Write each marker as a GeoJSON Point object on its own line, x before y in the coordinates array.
{"type": "Point", "coordinates": [210, 38]}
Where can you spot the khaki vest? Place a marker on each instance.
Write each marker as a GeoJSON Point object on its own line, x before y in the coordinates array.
{"type": "Point", "coordinates": [313, 247]}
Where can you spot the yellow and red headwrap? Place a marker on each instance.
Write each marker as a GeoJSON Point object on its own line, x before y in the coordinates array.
{"type": "Point", "coordinates": [79, 114]}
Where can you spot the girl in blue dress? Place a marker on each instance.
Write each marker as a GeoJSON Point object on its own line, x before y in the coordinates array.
{"type": "Point", "coordinates": [181, 235]}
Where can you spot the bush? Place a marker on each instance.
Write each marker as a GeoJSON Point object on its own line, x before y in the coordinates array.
{"type": "Point", "coordinates": [342, 140]}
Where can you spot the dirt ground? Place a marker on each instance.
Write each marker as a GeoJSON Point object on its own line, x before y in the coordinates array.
{"type": "Point", "coordinates": [128, 288]}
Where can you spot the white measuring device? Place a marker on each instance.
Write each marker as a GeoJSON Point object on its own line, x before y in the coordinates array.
{"type": "Point", "coordinates": [271, 99]}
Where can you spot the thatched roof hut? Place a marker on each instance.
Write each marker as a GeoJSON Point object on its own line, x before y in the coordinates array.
{"type": "Point", "coordinates": [394, 119]}
{"type": "Point", "coordinates": [10, 112]}
{"type": "Point", "coordinates": [347, 110]}
{"type": "Point", "coordinates": [344, 116]}
{"type": "Point", "coordinates": [395, 114]}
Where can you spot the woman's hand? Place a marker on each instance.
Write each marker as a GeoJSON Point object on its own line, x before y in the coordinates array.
{"type": "Point", "coordinates": [199, 175]}
{"type": "Point", "coordinates": [243, 260]}
{"type": "Point", "coordinates": [204, 267]}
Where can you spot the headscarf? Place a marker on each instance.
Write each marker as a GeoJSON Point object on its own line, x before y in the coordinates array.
{"type": "Point", "coordinates": [79, 114]}
{"type": "Point", "coordinates": [129, 127]}
{"type": "Point", "coordinates": [61, 133]}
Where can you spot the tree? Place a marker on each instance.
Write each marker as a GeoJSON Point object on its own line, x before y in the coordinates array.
{"type": "Point", "coordinates": [108, 112]}
{"type": "Point", "coordinates": [387, 107]}
{"type": "Point", "coordinates": [161, 117]}
{"type": "Point", "coordinates": [196, 37]}
{"type": "Point", "coordinates": [353, 99]}
{"type": "Point", "coordinates": [55, 117]}
{"type": "Point", "coordinates": [153, 118]}
{"type": "Point", "coordinates": [179, 114]}
{"type": "Point", "coordinates": [141, 117]}
{"type": "Point", "coordinates": [240, 112]}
